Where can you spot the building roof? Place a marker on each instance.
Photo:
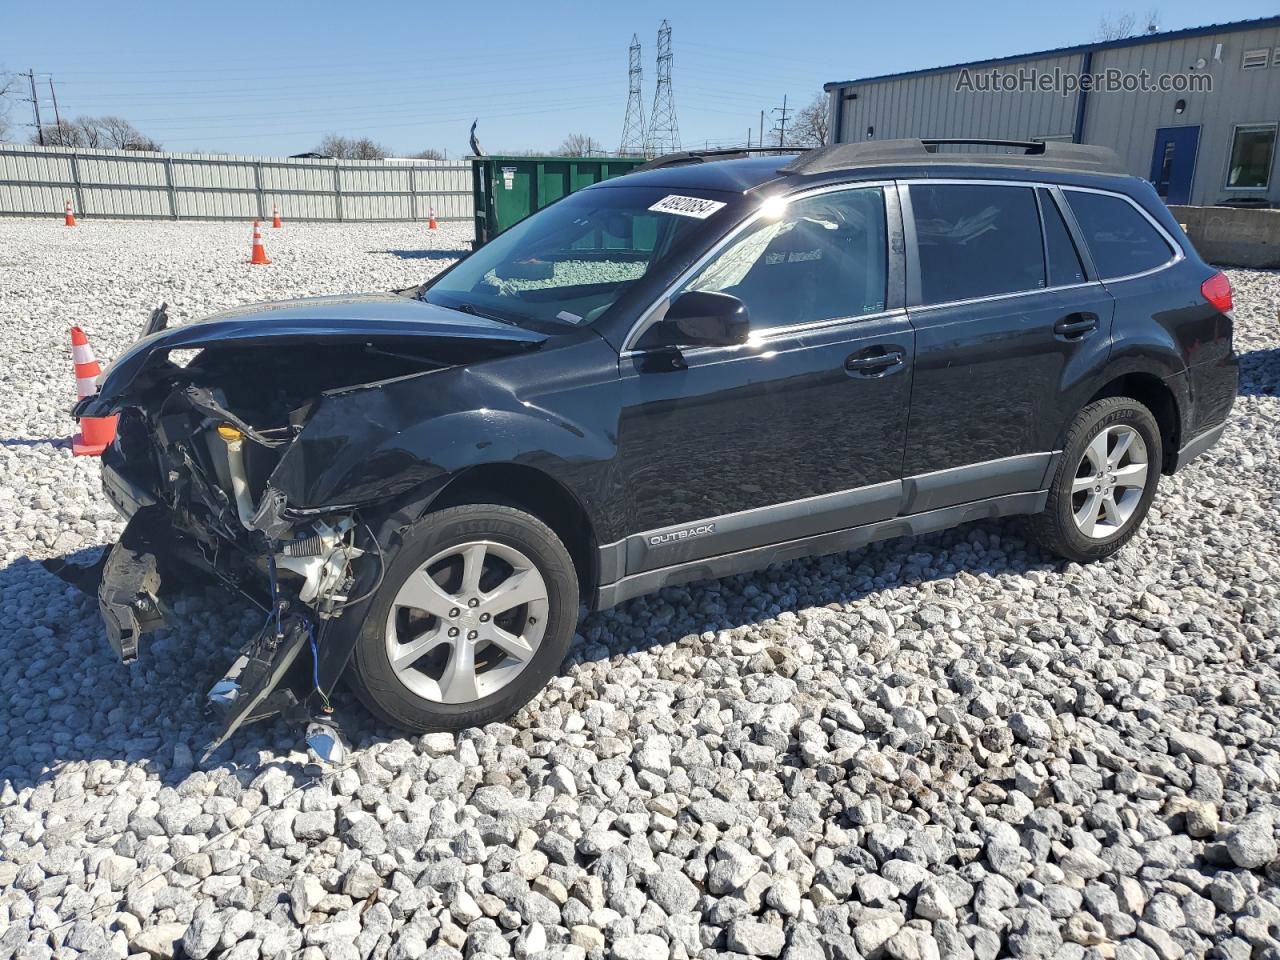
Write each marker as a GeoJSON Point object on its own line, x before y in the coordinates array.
{"type": "Point", "coordinates": [1208, 30]}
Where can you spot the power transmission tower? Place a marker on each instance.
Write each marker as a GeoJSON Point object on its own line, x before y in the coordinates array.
{"type": "Point", "coordinates": [633, 124]}
{"type": "Point", "coordinates": [664, 131]}
{"type": "Point", "coordinates": [781, 124]}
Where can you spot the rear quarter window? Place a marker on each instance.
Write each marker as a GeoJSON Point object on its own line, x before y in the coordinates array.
{"type": "Point", "coordinates": [1121, 240]}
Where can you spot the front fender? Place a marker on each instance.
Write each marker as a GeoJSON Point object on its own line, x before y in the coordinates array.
{"type": "Point", "coordinates": [373, 443]}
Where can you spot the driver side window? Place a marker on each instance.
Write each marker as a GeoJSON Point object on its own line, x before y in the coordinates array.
{"type": "Point", "coordinates": [824, 257]}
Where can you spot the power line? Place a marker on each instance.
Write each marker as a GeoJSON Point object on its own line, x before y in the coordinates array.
{"type": "Point", "coordinates": [664, 130]}
{"type": "Point", "coordinates": [633, 123]}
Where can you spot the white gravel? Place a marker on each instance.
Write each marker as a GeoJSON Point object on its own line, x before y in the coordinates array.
{"type": "Point", "coordinates": [949, 746]}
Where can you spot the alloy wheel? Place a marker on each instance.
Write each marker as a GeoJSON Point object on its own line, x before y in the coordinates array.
{"type": "Point", "coordinates": [467, 622]}
{"type": "Point", "coordinates": [1109, 481]}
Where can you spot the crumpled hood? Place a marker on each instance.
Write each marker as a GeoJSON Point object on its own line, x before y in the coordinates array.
{"type": "Point", "coordinates": [361, 318]}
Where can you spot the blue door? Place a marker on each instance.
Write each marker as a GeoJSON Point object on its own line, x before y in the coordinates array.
{"type": "Point", "coordinates": [1174, 162]}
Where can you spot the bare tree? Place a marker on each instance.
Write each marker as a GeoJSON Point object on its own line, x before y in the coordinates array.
{"type": "Point", "coordinates": [431, 153]}
{"type": "Point", "coordinates": [809, 127]}
{"type": "Point", "coordinates": [64, 134]}
{"type": "Point", "coordinates": [119, 133]}
{"type": "Point", "coordinates": [346, 148]}
{"type": "Point", "coordinates": [1118, 27]}
{"type": "Point", "coordinates": [576, 145]}
{"type": "Point", "coordinates": [107, 132]}
{"type": "Point", "coordinates": [8, 92]}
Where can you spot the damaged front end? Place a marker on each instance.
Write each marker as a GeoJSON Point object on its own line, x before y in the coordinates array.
{"type": "Point", "coordinates": [212, 464]}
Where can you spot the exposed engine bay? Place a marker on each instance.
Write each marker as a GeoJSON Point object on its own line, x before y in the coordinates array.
{"type": "Point", "coordinates": [195, 466]}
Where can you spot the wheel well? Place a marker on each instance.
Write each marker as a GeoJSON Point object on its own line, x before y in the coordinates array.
{"type": "Point", "coordinates": [1150, 391]}
{"type": "Point", "coordinates": [532, 491]}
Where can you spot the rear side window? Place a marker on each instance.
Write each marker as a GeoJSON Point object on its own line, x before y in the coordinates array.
{"type": "Point", "coordinates": [976, 240]}
{"type": "Point", "coordinates": [1121, 240]}
{"type": "Point", "coordinates": [1064, 261]}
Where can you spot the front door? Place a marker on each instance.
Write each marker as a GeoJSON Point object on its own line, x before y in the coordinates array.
{"type": "Point", "coordinates": [801, 430]}
{"type": "Point", "coordinates": [1173, 163]}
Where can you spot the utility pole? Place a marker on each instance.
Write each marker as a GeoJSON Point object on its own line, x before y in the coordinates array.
{"type": "Point", "coordinates": [35, 105]}
{"type": "Point", "coordinates": [761, 140]}
{"type": "Point", "coordinates": [782, 121]}
{"type": "Point", "coordinates": [57, 117]}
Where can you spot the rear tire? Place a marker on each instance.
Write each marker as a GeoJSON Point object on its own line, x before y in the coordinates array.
{"type": "Point", "coordinates": [473, 617]}
{"type": "Point", "coordinates": [1104, 482]}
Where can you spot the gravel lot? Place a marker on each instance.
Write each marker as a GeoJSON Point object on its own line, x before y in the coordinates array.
{"type": "Point", "coordinates": [949, 746]}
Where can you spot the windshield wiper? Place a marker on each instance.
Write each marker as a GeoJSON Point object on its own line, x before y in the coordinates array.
{"type": "Point", "coordinates": [471, 309]}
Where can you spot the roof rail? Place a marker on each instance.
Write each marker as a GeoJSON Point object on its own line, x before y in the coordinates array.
{"type": "Point", "coordinates": [704, 156]}
{"type": "Point", "coordinates": [1052, 153]}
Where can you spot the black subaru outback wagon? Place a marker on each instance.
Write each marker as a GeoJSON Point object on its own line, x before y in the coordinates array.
{"type": "Point", "coordinates": [694, 370]}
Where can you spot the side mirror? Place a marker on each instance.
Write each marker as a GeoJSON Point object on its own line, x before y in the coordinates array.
{"type": "Point", "coordinates": [703, 319]}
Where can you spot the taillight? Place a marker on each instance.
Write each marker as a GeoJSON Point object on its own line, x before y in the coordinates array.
{"type": "Point", "coordinates": [1217, 290]}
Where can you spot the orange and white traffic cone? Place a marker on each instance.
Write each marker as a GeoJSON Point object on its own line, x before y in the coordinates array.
{"type": "Point", "coordinates": [259, 253]}
{"type": "Point", "coordinates": [96, 433]}
{"type": "Point", "coordinates": [431, 219]}
{"type": "Point", "coordinates": [275, 217]}
{"type": "Point", "coordinates": [70, 217]}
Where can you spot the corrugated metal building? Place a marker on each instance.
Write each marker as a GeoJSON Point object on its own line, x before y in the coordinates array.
{"type": "Point", "coordinates": [1199, 146]}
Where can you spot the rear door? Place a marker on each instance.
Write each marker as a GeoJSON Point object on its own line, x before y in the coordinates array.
{"type": "Point", "coordinates": [1006, 316]}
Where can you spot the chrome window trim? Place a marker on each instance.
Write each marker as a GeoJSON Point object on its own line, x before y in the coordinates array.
{"type": "Point", "coordinates": [641, 324]}
{"type": "Point", "coordinates": [778, 333]}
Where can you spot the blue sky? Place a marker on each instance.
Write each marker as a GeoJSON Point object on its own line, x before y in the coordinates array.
{"type": "Point", "coordinates": [274, 77]}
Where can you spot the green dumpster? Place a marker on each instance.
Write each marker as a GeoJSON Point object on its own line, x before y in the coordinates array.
{"type": "Point", "coordinates": [505, 190]}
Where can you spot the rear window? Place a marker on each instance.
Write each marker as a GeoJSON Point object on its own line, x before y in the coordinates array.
{"type": "Point", "coordinates": [1121, 240]}
{"type": "Point", "coordinates": [976, 240]}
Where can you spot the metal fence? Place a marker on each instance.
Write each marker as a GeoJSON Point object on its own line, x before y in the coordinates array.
{"type": "Point", "coordinates": [38, 181]}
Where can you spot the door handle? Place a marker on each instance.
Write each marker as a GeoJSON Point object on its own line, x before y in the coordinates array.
{"type": "Point", "coordinates": [873, 364]}
{"type": "Point", "coordinates": [1075, 326]}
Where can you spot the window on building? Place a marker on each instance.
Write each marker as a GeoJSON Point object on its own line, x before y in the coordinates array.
{"type": "Point", "coordinates": [824, 258]}
{"type": "Point", "coordinates": [1121, 240]}
{"type": "Point", "coordinates": [1064, 261]}
{"type": "Point", "coordinates": [1255, 59]}
{"type": "Point", "coordinates": [976, 240]}
{"type": "Point", "coordinates": [1252, 149]}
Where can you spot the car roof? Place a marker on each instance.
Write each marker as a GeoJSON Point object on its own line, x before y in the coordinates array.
{"type": "Point", "coordinates": [703, 172]}
{"type": "Point", "coordinates": [998, 159]}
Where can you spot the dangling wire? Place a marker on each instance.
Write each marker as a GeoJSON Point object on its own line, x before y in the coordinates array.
{"type": "Point", "coordinates": [315, 667]}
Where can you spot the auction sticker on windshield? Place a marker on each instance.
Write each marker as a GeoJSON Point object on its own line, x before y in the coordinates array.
{"type": "Point", "coordinates": [687, 206]}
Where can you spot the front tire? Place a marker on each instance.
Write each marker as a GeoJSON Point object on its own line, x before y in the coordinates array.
{"type": "Point", "coordinates": [474, 615]}
{"type": "Point", "coordinates": [1104, 482]}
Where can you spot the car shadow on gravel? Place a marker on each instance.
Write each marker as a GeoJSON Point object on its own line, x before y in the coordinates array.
{"type": "Point", "coordinates": [449, 255]}
{"type": "Point", "coordinates": [992, 547]}
{"type": "Point", "coordinates": [151, 712]}
{"type": "Point", "coordinates": [55, 442]}
{"type": "Point", "coordinates": [65, 698]}
{"type": "Point", "coordinates": [1260, 373]}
